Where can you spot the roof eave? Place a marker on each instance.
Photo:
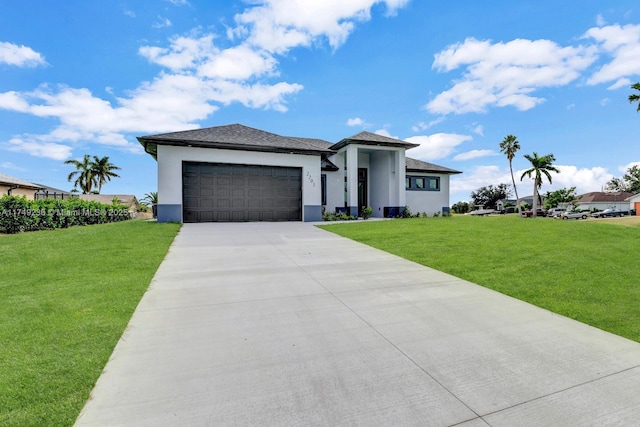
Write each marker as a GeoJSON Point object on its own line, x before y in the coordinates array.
{"type": "Point", "coordinates": [344, 142]}
{"type": "Point", "coordinates": [150, 146]}
{"type": "Point", "coordinates": [444, 172]}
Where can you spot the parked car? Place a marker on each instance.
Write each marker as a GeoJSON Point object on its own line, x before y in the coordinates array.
{"type": "Point", "coordinates": [554, 212]}
{"type": "Point", "coordinates": [574, 215]}
{"type": "Point", "coordinates": [539, 212]}
{"type": "Point", "coordinates": [610, 213]}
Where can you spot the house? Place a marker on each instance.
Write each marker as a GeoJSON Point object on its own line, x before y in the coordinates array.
{"type": "Point", "coordinates": [600, 200]}
{"type": "Point", "coordinates": [634, 202]}
{"type": "Point", "coordinates": [238, 173]}
{"type": "Point", "coordinates": [17, 187]}
{"type": "Point", "coordinates": [128, 200]}
{"type": "Point", "coordinates": [46, 192]}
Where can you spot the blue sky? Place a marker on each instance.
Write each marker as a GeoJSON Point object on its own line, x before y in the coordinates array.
{"type": "Point", "coordinates": [86, 77]}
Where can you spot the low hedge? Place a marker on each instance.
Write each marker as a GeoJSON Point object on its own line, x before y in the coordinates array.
{"type": "Point", "coordinates": [17, 214]}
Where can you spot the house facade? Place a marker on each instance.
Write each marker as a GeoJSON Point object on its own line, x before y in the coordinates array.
{"type": "Point", "coordinates": [17, 187]}
{"type": "Point", "coordinates": [634, 202]}
{"type": "Point", "coordinates": [600, 200]}
{"type": "Point", "coordinates": [238, 173]}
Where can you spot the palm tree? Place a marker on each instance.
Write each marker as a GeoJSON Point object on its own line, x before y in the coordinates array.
{"type": "Point", "coordinates": [539, 166]}
{"type": "Point", "coordinates": [509, 146]}
{"type": "Point", "coordinates": [102, 171]}
{"type": "Point", "coordinates": [635, 97]}
{"type": "Point", "coordinates": [84, 174]}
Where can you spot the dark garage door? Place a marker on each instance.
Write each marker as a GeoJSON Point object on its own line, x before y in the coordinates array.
{"type": "Point", "coordinates": [229, 192]}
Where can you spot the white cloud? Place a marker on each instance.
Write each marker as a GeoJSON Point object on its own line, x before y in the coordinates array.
{"type": "Point", "coordinates": [183, 52]}
{"type": "Point", "coordinates": [386, 133]}
{"type": "Point", "coordinates": [605, 101]}
{"type": "Point", "coordinates": [436, 146]}
{"type": "Point", "coordinates": [422, 126]}
{"type": "Point", "coordinates": [20, 56]}
{"type": "Point", "coordinates": [130, 13]}
{"type": "Point", "coordinates": [622, 82]}
{"type": "Point", "coordinates": [179, 2]}
{"type": "Point", "coordinates": [474, 154]}
{"type": "Point", "coordinates": [584, 179]}
{"type": "Point", "coordinates": [624, 168]}
{"type": "Point", "coordinates": [478, 129]}
{"type": "Point", "coordinates": [622, 43]}
{"type": "Point", "coordinates": [357, 121]}
{"type": "Point", "coordinates": [238, 63]}
{"type": "Point", "coordinates": [505, 74]}
{"type": "Point", "coordinates": [279, 25]}
{"type": "Point", "coordinates": [480, 176]}
{"type": "Point", "coordinates": [162, 23]}
{"type": "Point", "coordinates": [39, 148]}
{"type": "Point", "coordinates": [11, 166]}
{"type": "Point", "coordinates": [600, 21]}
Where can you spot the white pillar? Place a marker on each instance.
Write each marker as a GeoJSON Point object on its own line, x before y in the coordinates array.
{"type": "Point", "coordinates": [352, 179]}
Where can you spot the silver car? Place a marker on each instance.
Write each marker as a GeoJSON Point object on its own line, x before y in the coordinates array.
{"type": "Point", "coordinates": [574, 215]}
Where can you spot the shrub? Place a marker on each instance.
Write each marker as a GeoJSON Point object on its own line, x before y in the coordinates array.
{"type": "Point", "coordinates": [366, 212]}
{"type": "Point", "coordinates": [17, 214]}
{"type": "Point", "coordinates": [337, 216]}
{"type": "Point", "coordinates": [406, 212]}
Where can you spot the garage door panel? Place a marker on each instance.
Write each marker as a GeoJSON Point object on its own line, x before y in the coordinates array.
{"type": "Point", "coordinates": [224, 192]}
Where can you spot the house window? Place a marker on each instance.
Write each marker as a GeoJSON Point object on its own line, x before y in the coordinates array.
{"type": "Point", "coordinates": [323, 186]}
{"type": "Point", "coordinates": [422, 183]}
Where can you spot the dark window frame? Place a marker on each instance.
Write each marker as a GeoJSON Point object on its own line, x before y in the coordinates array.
{"type": "Point", "coordinates": [422, 183]}
{"type": "Point", "coordinates": [323, 188]}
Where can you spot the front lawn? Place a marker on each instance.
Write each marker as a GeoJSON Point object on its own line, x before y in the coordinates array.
{"type": "Point", "coordinates": [586, 270]}
{"type": "Point", "coordinates": [67, 296]}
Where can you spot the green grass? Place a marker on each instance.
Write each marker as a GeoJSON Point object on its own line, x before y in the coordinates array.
{"type": "Point", "coordinates": [585, 270]}
{"type": "Point", "coordinates": [67, 296]}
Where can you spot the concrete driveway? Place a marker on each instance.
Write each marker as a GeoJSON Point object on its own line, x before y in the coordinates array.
{"type": "Point", "coordinates": [286, 324]}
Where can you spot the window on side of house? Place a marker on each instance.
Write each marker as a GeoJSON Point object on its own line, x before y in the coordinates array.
{"type": "Point", "coordinates": [422, 183]}
{"type": "Point", "coordinates": [323, 186]}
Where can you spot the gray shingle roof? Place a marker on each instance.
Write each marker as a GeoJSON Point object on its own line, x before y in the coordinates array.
{"type": "Point", "coordinates": [414, 165]}
{"type": "Point", "coordinates": [233, 137]}
{"type": "Point", "coordinates": [600, 196]}
{"type": "Point", "coordinates": [368, 138]}
{"type": "Point", "coordinates": [6, 179]}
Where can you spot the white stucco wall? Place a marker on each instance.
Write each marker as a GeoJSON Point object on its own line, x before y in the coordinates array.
{"type": "Point", "coordinates": [335, 184]}
{"type": "Point", "coordinates": [170, 160]}
{"type": "Point", "coordinates": [428, 201]}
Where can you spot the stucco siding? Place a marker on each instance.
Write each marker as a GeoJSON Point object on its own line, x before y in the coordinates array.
{"type": "Point", "coordinates": [170, 160]}
{"type": "Point", "coordinates": [335, 184]}
{"type": "Point", "coordinates": [428, 201]}
{"type": "Point", "coordinates": [28, 193]}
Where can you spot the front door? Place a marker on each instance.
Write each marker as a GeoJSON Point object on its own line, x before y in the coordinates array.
{"type": "Point", "coordinates": [362, 188]}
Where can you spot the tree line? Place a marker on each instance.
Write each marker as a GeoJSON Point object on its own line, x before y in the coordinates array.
{"type": "Point", "coordinates": [541, 166]}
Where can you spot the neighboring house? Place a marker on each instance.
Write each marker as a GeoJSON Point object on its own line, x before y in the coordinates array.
{"type": "Point", "coordinates": [17, 187]}
{"type": "Point", "coordinates": [634, 202]}
{"type": "Point", "coordinates": [53, 193]}
{"type": "Point", "coordinates": [238, 173]}
{"type": "Point", "coordinates": [128, 200]}
{"type": "Point", "coordinates": [600, 200]}
{"type": "Point", "coordinates": [500, 204]}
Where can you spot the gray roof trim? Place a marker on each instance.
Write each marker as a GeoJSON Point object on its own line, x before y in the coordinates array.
{"type": "Point", "coordinates": [328, 165]}
{"type": "Point", "coordinates": [234, 137]}
{"type": "Point", "coordinates": [368, 138]}
{"type": "Point", "coordinates": [6, 179]}
{"type": "Point", "coordinates": [414, 165]}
